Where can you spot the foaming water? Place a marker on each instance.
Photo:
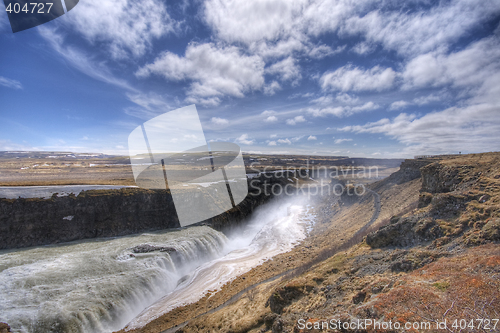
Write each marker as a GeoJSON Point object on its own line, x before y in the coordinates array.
{"type": "Point", "coordinates": [275, 229]}
{"type": "Point", "coordinates": [103, 285]}
{"type": "Point", "coordinates": [98, 286]}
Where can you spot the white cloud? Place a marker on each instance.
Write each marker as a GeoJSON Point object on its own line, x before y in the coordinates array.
{"type": "Point", "coordinates": [273, 136]}
{"type": "Point", "coordinates": [288, 30]}
{"type": "Point", "coordinates": [215, 72]}
{"type": "Point", "coordinates": [426, 70]}
{"type": "Point", "coordinates": [244, 140]}
{"type": "Point", "coordinates": [262, 19]}
{"type": "Point", "coordinates": [124, 26]}
{"type": "Point", "coordinates": [286, 69]}
{"type": "Point", "coordinates": [272, 143]}
{"type": "Point", "coordinates": [82, 61]}
{"type": "Point", "coordinates": [339, 141]}
{"type": "Point", "coordinates": [149, 101]}
{"type": "Point", "coordinates": [471, 66]}
{"type": "Point", "coordinates": [9, 83]}
{"type": "Point", "coordinates": [286, 141]}
{"type": "Point", "coordinates": [255, 40]}
{"type": "Point", "coordinates": [363, 48]}
{"type": "Point", "coordinates": [271, 88]}
{"type": "Point", "coordinates": [278, 49]}
{"type": "Point", "coordinates": [399, 105]}
{"type": "Point", "coordinates": [298, 138]}
{"type": "Point", "coordinates": [312, 137]}
{"type": "Point", "coordinates": [323, 100]}
{"type": "Point", "coordinates": [321, 51]}
{"type": "Point", "coordinates": [349, 78]}
{"type": "Point", "coordinates": [347, 99]}
{"type": "Point", "coordinates": [149, 105]}
{"type": "Point", "coordinates": [296, 120]}
{"type": "Point", "coordinates": [271, 119]}
{"type": "Point", "coordinates": [368, 106]}
{"type": "Point", "coordinates": [268, 113]}
{"type": "Point", "coordinates": [328, 15]}
{"type": "Point", "coordinates": [219, 121]}
{"type": "Point", "coordinates": [270, 28]}
{"type": "Point", "coordinates": [472, 128]}
{"type": "Point", "coordinates": [337, 111]}
{"type": "Point", "coordinates": [306, 95]}
{"type": "Point", "coordinates": [421, 30]}
{"type": "Point", "coordinates": [280, 27]}
{"type": "Point", "coordinates": [423, 100]}
{"type": "Point", "coordinates": [342, 111]}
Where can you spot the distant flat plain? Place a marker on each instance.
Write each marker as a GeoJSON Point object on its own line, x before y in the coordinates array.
{"type": "Point", "coordinates": [66, 168]}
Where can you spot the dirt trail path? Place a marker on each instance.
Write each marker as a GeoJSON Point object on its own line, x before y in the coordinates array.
{"type": "Point", "coordinates": [378, 207]}
{"type": "Point", "coordinates": [236, 297]}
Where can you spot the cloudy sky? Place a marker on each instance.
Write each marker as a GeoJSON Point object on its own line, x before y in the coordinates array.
{"type": "Point", "coordinates": [378, 78]}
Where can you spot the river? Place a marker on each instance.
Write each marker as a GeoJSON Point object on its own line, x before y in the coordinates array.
{"type": "Point", "coordinates": [45, 192]}
{"type": "Point", "coordinates": [106, 284]}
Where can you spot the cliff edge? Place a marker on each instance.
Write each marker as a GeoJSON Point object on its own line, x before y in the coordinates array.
{"type": "Point", "coordinates": [107, 213]}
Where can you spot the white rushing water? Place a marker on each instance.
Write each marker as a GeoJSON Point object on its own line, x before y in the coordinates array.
{"type": "Point", "coordinates": [273, 230]}
{"type": "Point", "coordinates": [102, 285]}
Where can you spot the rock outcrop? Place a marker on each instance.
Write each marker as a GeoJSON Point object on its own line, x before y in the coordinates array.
{"type": "Point", "coordinates": [409, 170]}
{"type": "Point", "coordinates": [108, 213]}
{"type": "Point", "coordinates": [438, 178]}
{"type": "Point", "coordinates": [285, 296]}
{"type": "Point", "coordinates": [457, 198]}
{"type": "Point", "coordinates": [4, 328]}
{"type": "Point", "coordinates": [406, 232]}
{"type": "Point", "coordinates": [491, 230]}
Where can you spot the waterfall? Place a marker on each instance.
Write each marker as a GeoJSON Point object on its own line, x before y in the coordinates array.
{"type": "Point", "coordinates": [106, 284]}
{"type": "Point", "coordinates": [273, 228]}
{"type": "Point", "coordinates": [100, 285]}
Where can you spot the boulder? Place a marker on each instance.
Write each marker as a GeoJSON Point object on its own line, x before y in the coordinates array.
{"type": "Point", "coordinates": [4, 328]}
{"type": "Point", "coordinates": [491, 230]}
{"type": "Point", "coordinates": [146, 248]}
{"type": "Point", "coordinates": [405, 232]}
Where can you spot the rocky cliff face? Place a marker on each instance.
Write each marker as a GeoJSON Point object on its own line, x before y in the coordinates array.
{"type": "Point", "coordinates": [98, 213]}
{"type": "Point", "coordinates": [438, 178]}
{"type": "Point", "coordinates": [106, 213]}
{"type": "Point", "coordinates": [458, 199]}
{"type": "Point", "coordinates": [409, 170]}
{"type": "Point", "coordinates": [436, 259]}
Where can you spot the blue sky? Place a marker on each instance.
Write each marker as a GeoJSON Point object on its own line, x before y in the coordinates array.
{"type": "Point", "coordinates": [374, 78]}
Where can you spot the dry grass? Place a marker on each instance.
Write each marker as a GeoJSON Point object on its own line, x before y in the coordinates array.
{"type": "Point", "coordinates": [462, 287]}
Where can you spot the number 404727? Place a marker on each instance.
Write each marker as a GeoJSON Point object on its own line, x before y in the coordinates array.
{"type": "Point", "coordinates": [33, 7]}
